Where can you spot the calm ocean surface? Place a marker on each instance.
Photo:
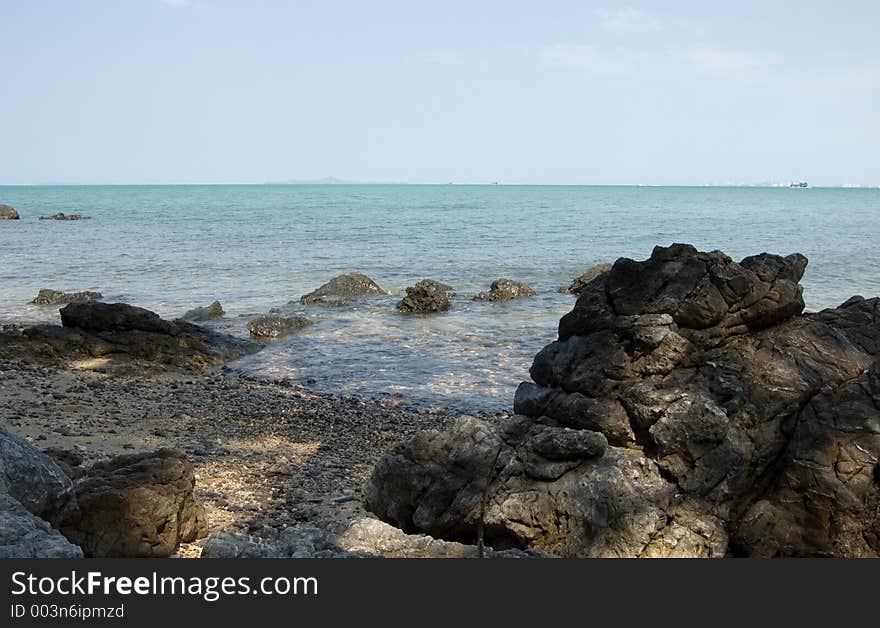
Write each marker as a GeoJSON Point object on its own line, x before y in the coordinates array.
{"type": "Point", "coordinates": [170, 248]}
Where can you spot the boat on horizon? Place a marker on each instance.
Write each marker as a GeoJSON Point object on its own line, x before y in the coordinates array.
{"type": "Point", "coordinates": [799, 184]}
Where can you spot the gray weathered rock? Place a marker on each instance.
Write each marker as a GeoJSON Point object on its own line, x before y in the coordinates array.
{"type": "Point", "coordinates": [342, 290]}
{"type": "Point", "coordinates": [579, 283]}
{"type": "Point", "coordinates": [8, 213]}
{"type": "Point", "coordinates": [138, 505]}
{"type": "Point", "coordinates": [30, 476]}
{"type": "Point", "coordinates": [505, 290]}
{"type": "Point", "coordinates": [206, 313]}
{"type": "Point", "coordinates": [425, 297]}
{"type": "Point", "coordinates": [24, 535]}
{"type": "Point", "coordinates": [736, 425]}
{"type": "Point", "coordinates": [57, 297]}
{"type": "Point", "coordinates": [276, 326]}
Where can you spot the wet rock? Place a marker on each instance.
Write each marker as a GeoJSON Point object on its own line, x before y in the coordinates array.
{"type": "Point", "coordinates": [505, 290]}
{"type": "Point", "coordinates": [136, 505]}
{"type": "Point", "coordinates": [206, 313]}
{"type": "Point", "coordinates": [579, 283]}
{"type": "Point", "coordinates": [57, 297]}
{"type": "Point", "coordinates": [425, 297]}
{"type": "Point", "coordinates": [8, 213]}
{"type": "Point", "coordinates": [276, 326]}
{"type": "Point", "coordinates": [63, 216]}
{"type": "Point", "coordinates": [342, 290]}
{"type": "Point", "coordinates": [735, 424]}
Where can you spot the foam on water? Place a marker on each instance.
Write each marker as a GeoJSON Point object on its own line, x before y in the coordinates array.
{"type": "Point", "coordinates": [169, 248]}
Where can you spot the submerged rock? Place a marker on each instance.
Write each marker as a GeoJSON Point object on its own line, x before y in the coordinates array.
{"type": "Point", "coordinates": [57, 297]}
{"type": "Point", "coordinates": [425, 297]}
{"type": "Point", "coordinates": [505, 290]}
{"type": "Point", "coordinates": [735, 425]}
{"type": "Point", "coordinates": [342, 290]}
{"type": "Point", "coordinates": [276, 326]}
{"type": "Point", "coordinates": [117, 332]}
{"type": "Point", "coordinates": [207, 313]}
{"type": "Point", "coordinates": [138, 505]}
{"type": "Point", "coordinates": [8, 213]}
{"type": "Point", "coordinates": [579, 283]}
{"type": "Point", "coordinates": [63, 216]}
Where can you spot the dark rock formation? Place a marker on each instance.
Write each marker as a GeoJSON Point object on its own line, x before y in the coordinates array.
{"type": "Point", "coordinates": [57, 297]}
{"type": "Point", "coordinates": [8, 213]}
{"type": "Point", "coordinates": [276, 326]}
{"type": "Point", "coordinates": [139, 505]}
{"type": "Point", "coordinates": [580, 282]}
{"type": "Point", "coordinates": [121, 331]}
{"type": "Point", "coordinates": [425, 297]}
{"type": "Point", "coordinates": [736, 425]}
{"type": "Point", "coordinates": [505, 290]}
{"type": "Point", "coordinates": [32, 488]}
{"type": "Point", "coordinates": [63, 216]}
{"type": "Point", "coordinates": [207, 313]}
{"type": "Point", "coordinates": [342, 290]}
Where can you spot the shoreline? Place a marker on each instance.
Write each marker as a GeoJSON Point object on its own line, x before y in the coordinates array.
{"type": "Point", "coordinates": [267, 456]}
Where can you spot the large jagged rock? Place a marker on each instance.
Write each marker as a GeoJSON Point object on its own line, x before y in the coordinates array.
{"type": "Point", "coordinates": [57, 297]}
{"type": "Point", "coordinates": [505, 290]}
{"type": "Point", "coordinates": [206, 313]}
{"type": "Point", "coordinates": [736, 425]}
{"type": "Point", "coordinates": [137, 505]}
{"type": "Point", "coordinates": [8, 213]}
{"type": "Point", "coordinates": [342, 290]}
{"type": "Point", "coordinates": [32, 488]}
{"type": "Point", "coordinates": [276, 326]}
{"type": "Point", "coordinates": [117, 330]}
{"type": "Point", "coordinates": [426, 297]}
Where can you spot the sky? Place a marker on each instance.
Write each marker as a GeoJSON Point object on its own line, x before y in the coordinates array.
{"type": "Point", "coordinates": [235, 91]}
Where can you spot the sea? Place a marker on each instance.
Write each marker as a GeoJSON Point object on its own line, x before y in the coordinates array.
{"type": "Point", "coordinates": [257, 247]}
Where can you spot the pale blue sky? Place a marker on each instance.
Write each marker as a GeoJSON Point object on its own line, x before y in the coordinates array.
{"type": "Point", "coordinates": [139, 91]}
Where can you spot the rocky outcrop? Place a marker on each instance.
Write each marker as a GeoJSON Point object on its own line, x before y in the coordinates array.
{"type": "Point", "coordinates": [342, 290]}
{"type": "Point", "coordinates": [138, 505]}
{"type": "Point", "coordinates": [579, 283]}
{"type": "Point", "coordinates": [735, 425]}
{"type": "Point", "coordinates": [362, 538]}
{"type": "Point", "coordinates": [8, 213]}
{"type": "Point", "coordinates": [63, 216]}
{"type": "Point", "coordinates": [32, 489]}
{"type": "Point", "coordinates": [276, 326]}
{"type": "Point", "coordinates": [57, 297]}
{"type": "Point", "coordinates": [206, 313]}
{"type": "Point", "coordinates": [505, 290]}
{"type": "Point", "coordinates": [425, 297]}
{"type": "Point", "coordinates": [121, 332]}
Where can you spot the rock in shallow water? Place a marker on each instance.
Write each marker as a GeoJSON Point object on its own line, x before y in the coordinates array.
{"type": "Point", "coordinates": [505, 290]}
{"type": "Point", "coordinates": [206, 313]}
{"type": "Point", "coordinates": [63, 216]}
{"type": "Point", "coordinates": [737, 425]}
{"type": "Point", "coordinates": [57, 297]}
{"type": "Point", "coordinates": [342, 290]}
{"type": "Point", "coordinates": [425, 297]}
{"type": "Point", "coordinates": [275, 326]}
{"type": "Point", "coordinates": [579, 283]}
{"type": "Point", "coordinates": [8, 213]}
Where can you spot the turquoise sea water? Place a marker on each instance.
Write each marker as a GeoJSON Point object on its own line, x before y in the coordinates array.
{"type": "Point", "coordinates": [254, 247]}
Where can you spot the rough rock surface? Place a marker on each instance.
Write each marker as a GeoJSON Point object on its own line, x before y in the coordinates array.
{"type": "Point", "coordinates": [505, 290]}
{"type": "Point", "coordinates": [137, 505]}
{"type": "Point", "coordinates": [425, 297]}
{"type": "Point", "coordinates": [580, 282]}
{"type": "Point", "coordinates": [31, 486]}
{"type": "Point", "coordinates": [206, 313]}
{"type": "Point", "coordinates": [363, 538]}
{"type": "Point", "coordinates": [117, 330]}
{"type": "Point", "coordinates": [342, 290]}
{"type": "Point", "coordinates": [275, 326]}
{"type": "Point", "coordinates": [63, 216]}
{"type": "Point", "coordinates": [8, 213]}
{"type": "Point", "coordinates": [57, 297]}
{"type": "Point", "coordinates": [736, 425]}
